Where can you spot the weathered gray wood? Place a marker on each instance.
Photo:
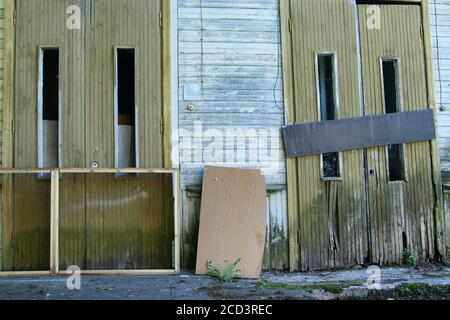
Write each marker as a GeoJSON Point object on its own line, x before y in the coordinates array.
{"type": "Point", "coordinates": [231, 49]}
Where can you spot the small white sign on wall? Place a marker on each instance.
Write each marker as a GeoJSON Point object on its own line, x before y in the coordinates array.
{"type": "Point", "coordinates": [192, 92]}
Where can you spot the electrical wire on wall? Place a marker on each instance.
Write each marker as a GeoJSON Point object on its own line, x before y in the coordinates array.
{"type": "Point", "coordinates": [278, 65]}
{"type": "Point", "coordinates": [439, 75]}
{"type": "Point", "coordinates": [201, 46]}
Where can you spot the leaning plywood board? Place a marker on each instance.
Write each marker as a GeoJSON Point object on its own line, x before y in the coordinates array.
{"type": "Point", "coordinates": [232, 220]}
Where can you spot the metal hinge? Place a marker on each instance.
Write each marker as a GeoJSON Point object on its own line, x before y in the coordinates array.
{"type": "Point", "coordinates": [160, 19]}
{"type": "Point", "coordinates": [161, 125]}
{"type": "Point", "coordinates": [14, 17]}
{"type": "Point", "coordinates": [290, 25]}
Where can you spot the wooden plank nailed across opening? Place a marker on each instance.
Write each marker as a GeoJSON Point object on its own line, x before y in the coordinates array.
{"type": "Point", "coordinates": [359, 133]}
{"type": "Point", "coordinates": [232, 221]}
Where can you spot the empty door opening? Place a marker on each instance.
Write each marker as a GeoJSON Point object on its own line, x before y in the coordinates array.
{"type": "Point", "coordinates": [395, 153]}
{"type": "Point", "coordinates": [328, 110]}
{"type": "Point", "coordinates": [48, 108]}
{"type": "Point", "coordinates": [125, 108]}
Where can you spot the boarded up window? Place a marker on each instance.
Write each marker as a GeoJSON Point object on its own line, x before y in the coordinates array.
{"type": "Point", "coordinates": [392, 105]}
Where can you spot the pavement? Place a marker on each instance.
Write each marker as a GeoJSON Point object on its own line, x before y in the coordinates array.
{"type": "Point", "coordinates": [272, 286]}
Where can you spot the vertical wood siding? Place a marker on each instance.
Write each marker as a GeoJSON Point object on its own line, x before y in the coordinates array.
{"type": "Point", "coordinates": [332, 228]}
{"type": "Point", "coordinates": [401, 213]}
{"type": "Point", "coordinates": [125, 23]}
{"type": "Point", "coordinates": [2, 14]}
{"type": "Point", "coordinates": [91, 206]}
{"type": "Point", "coordinates": [34, 28]}
{"type": "Point", "coordinates": [41, 23]}
{"type": "Point", "coordinates": [440, 29]}
{"type": "Point", "coordinates": [2, 29]}
{"type": "Point", "coordinates": [231, 48]}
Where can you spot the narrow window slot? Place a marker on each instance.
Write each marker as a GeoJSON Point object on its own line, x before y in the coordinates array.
{"type": "Point", "coordinates": [326, 72]}
{"type": "Point", "coordinates": [395, 153]}
{"type": "Point", "coordinates": [125, 108]}
{"type": "Point", "coordinates": [48, 108]}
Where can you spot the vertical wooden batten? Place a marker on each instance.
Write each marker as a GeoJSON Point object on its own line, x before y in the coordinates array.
{"type": "Point", "coordinates": [8, 84]}
{"type": "Point", "coordinates": [288, 92]}
{"type": "Point", "coordinates": [7, 134]}
{"type": "Point", "coordinates": [54, 223]}
{"type": "Point", "coordinates": [439, 210]}
{"type": "Point", "coordinates": [167, 83]}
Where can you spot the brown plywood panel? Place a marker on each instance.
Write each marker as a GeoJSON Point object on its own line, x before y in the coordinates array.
{"type": "Point", "coordinates": [232, 220]}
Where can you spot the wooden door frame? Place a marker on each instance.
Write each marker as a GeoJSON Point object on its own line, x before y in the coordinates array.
{"type": "Point", "coordinates": [289, 98]}
{"type": "Point", "coordinates": [54, 221]}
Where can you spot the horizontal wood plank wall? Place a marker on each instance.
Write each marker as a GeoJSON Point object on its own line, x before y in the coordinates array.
{"type": "Point", "coordinates": [239, 64]}
{"type": "Point", "coordinates": [135, 24]}
{"type": "Point", "coordinates": [332, 214]}
{"type": "Point", "coordinates": [440, 30]}
{"type": "Point", "coordinates": [401, 214]}
{"type": "Point", "coordinates": [231, 50]}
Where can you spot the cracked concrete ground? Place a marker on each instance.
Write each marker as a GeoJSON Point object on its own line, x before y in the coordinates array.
{"type": "Point", "coordinates": [272, 286]}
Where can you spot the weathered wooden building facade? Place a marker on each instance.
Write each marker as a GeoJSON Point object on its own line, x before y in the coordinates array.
{"type": "Point", "coordinates": [440, 25]}
{"type": "Point", "coordinates": [215, 81]}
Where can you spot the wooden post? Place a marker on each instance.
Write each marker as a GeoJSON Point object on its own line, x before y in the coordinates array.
{"type": "Point", "coordinates": [6, 222]}
{"type": "Point", "coordinates": [167, 81]}
{"type": "Point", "coordinates": [8, 84]}
{"type": "Point", "coordinates": [292, 187]}
{"type": "Point", "coordinates": [54, 223]}
{"type": "Point", "coordinates": [439, 208]}
{"type": "Point", "coordinates": [177, 209]}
